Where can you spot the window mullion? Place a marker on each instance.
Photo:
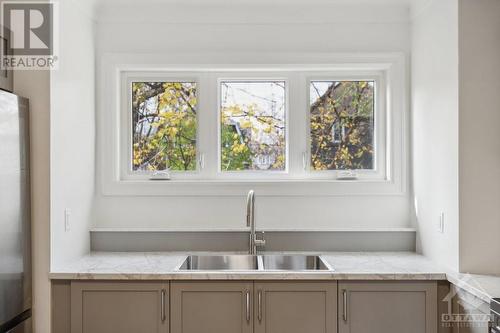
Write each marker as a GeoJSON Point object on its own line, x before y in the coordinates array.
{"type": "Point", "coordinates": [297, 125]}
{"type": "Point", "coordinates": [207, 125]}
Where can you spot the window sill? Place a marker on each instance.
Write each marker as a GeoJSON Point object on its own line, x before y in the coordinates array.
{"type": "Point", "coordinates": [230, 230]}
{"type": "Point", "coordinates": [291, 187]}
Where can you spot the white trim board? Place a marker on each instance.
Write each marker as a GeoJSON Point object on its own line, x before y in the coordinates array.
{"type": "Point", "coordinates": [109, 133]}
{"type": "Point", "coordinates": [147, 230]}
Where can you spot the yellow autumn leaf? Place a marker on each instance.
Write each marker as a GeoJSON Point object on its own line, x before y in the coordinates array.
{"type": "Point", "coordinates": [245, 124]}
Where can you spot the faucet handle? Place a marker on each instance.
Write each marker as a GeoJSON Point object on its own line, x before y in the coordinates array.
{"type": "Point", "coordinates": [260, 242]}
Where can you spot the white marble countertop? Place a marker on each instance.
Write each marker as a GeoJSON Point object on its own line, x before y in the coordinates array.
{"type": "Point", "coordinates": [164, 266]}
{"type": "Point", "coordinates": [346, 266]}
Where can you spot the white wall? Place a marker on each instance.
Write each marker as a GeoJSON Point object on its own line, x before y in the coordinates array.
{"type": "Point", "coordinates": [435, 129]}
{"type": "Point", "coordinates": [54, 97]}
{"type": "Point", "coordinates": [252, 28]}
{"type": "Point", "coordinates": [479, 136]}
{"type": "Point", "coordinates": [72, 134]}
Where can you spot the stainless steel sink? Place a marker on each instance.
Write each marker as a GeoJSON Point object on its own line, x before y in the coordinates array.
{"type": "Point", "coordinates": [239, 262]}
{"type": "Point", "coordinates": [220, 263]}
{"type": "Point", "coordinates": [294, 263]}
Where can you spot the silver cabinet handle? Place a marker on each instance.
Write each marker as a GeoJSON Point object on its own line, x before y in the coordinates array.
{"type": "Point", "coordinates": [162, 310]}
{"type": "Point", "coordinates": [344, 305]}
{"type": "Point", "coordinates": [259, 305]}
{"type": "Point", "coordinates": [247, 296]}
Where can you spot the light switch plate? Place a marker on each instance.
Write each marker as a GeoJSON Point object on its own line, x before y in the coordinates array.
{"type": "Point", "coordinates": [67, 215]}
{"type": "Point", "coordinates": [441, 223]}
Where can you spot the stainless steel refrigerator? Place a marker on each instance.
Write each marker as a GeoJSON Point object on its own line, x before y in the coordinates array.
{"type": "Point", "coordinates": [15, 249]}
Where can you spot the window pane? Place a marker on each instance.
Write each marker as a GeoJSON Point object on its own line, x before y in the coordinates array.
{"type": "Point", "coordinates": [253, 125]}
{"type": "Point", "coordinates": [164, 126]}
{"type": "Point", "coordinates": [342, 125]}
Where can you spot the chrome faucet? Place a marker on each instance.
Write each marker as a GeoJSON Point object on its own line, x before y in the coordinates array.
{"type": "Point", "coordinates": [254, 242]}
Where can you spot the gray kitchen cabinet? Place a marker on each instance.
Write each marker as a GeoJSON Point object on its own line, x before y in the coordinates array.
{"type": "Point", "coordinates": [387, 307]}
{"type": "Point", "coordinates": [119, 307]}
{"type": "Point", "coordinates": [295, 307]}
{"type": "Point", "coordinates": [211, 307]}
{"type": "Point", "coordinates": [251, 306]}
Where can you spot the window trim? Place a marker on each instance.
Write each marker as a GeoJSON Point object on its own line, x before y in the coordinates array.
{"type": "Point", "coordinates": [114, 65]}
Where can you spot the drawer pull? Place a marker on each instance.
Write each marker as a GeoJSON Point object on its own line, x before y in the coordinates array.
{"type": "Point", "coordinates": [259, 303]}
{"type": "Point", "coordinates": [247, 302]}
{"type": "Point", "coordinates": [163, 313]}
{"type": "Point", "coordinates": [344, 305]}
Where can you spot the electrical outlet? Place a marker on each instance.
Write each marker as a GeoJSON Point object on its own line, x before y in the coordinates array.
{"type": "Point", "coordinates": [441, 223]}
{"type": "Point", "coordinates": [67, 224]}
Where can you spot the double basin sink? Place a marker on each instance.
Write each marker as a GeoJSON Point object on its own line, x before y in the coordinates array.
{"type": "Point", "coordinates": [254, 263]}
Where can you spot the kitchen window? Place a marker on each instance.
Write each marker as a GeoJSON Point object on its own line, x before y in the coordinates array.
{"type": "Point", "coordinates": [289, 129]}
{"type": "Point", "coordinates": [252, 126]}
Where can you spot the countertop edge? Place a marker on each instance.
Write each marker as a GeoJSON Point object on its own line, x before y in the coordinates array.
{"type": "Point", "coordinates": [207, 275]}
{"type": "Point", "coordinates": [259, 276]}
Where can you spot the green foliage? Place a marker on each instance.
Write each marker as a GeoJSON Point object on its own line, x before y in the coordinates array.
{"type": "Point", "coordinates": [235, 154]}
{"type": "Point", "coordinates": [164, 123]}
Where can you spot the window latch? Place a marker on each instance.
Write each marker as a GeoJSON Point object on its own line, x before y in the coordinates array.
{"type": "Point", "coordinates": [347, 175]}
{"type": "Point", "coordinates": [160, 175]}
{"type": "Point", "coordinates": [304, 161]}
{"type": "Point", "coordinates": [201, 160]}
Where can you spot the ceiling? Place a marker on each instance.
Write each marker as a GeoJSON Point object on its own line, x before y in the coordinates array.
{"type": "Point", "coordinates": [97, 7]}
{"type": "Point", "coordinates": [100, 3]}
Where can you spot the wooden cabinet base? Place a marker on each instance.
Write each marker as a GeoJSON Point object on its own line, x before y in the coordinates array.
{"type": "Point", "coordinates": [246, 307]}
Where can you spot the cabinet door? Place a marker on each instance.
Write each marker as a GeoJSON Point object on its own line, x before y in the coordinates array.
{"type": "Point", "coordinates": [211, 307]}
{"type": "Point", "coordinates": [295, 307]}
{"type": "Point", "coordinates": [118, 307]}
{"type": "Point", "coordinates": [387, 307]}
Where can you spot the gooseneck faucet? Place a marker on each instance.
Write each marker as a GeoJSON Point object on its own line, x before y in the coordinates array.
{"type": "Point", "coordinates": [254, 242]}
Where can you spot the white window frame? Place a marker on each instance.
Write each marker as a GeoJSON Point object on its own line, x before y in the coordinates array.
{"type": "Point", "coordinates": [296, 71]}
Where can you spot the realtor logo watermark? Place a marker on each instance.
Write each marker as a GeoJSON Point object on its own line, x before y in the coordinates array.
{"type": "Point", "coordinates": [31, 34]}
{"type": "Point", "coordinates": [467, 314]}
